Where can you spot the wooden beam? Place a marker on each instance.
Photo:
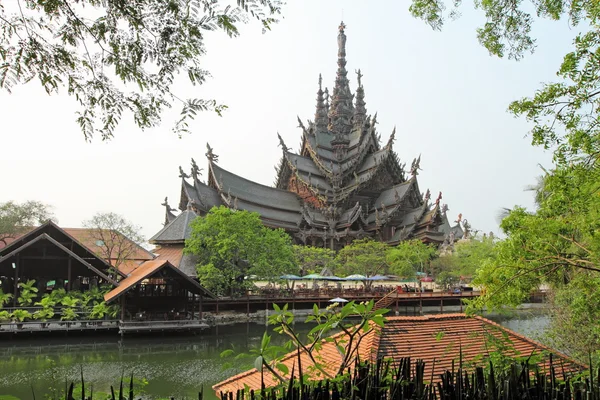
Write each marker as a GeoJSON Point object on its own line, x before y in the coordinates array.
{"type": "Point", "coordinates": [69, 275]}
{"type": "Point", "coordinates": [16, 281]}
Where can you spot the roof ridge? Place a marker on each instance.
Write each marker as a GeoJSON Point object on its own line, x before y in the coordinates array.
{"type": "Point", "coordinates": [251, 181]}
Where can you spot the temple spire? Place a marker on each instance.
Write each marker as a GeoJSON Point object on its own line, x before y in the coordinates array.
{"type": "Point", "coordinates": [360, 111]}
{"type": "Point", "coordinates": [341, 111]}
{"type": "Point", "coordinates": [321, 112]}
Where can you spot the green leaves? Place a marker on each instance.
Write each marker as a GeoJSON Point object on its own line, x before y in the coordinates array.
{"type": "Point", "coordinates": [365, 257]}
{"type": "Point", "coordinates": [16, 218]}
{"type": "Point", "coordinates": [95, 59]}
{"type": "Point", "coordinates": [231, 245]}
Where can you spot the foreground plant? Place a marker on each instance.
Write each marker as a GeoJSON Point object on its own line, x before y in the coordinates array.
{"type": "Point", "coordinates": [354, 320]}
{"type": "Point", "coordinates": [118, 56]}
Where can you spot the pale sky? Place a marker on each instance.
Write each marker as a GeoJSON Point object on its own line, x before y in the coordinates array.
{"type": "Point", "coordinates": [442, 90]}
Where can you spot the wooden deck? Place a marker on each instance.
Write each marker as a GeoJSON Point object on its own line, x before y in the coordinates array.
{"type": "Point", "coordinates": [57, 326]}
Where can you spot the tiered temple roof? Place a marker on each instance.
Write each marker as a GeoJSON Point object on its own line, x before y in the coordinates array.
{"type": "Point", "coordinates": [342, 185]}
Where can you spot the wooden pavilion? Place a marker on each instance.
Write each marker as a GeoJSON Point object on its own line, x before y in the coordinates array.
{"type": "Point", "coordinates": [48, 253]}
{"type": "Point", "coordinates": [158, 295]}
{"type": "Point", "coordinates": [154, 291]}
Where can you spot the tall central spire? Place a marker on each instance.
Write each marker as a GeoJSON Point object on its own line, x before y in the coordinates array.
{"type": "Point", "coordinates": [341, 110]}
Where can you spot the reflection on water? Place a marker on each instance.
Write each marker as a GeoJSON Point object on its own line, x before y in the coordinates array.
{"type": "Point", "coordinates": [177, 366]}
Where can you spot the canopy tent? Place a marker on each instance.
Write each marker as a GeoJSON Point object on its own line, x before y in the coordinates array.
{"type": "Point", "coordinates": [378, 278]}
{"type": "Point", "coordinates": [290, 277]}
{"type": "Point", "coordinates": [314, 277]}
{"type": "Point", "coordinates": [355, 277]}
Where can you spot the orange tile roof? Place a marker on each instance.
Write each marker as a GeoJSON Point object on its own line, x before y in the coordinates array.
{"type": "Point", "coordinates": [128, 266]}
{"type": "Point", "coordinates": [139, 274]}
{"type": "Point", "coordinates": [88, 238]}
{"type": "Point", "coordinates": [328, 357]}
{"type": "Point", "coordinates": [173, 254]}
{"type": "Point", "coordinates": [433, 337]}
{"type": "Point", "coordinates": [146, 270]}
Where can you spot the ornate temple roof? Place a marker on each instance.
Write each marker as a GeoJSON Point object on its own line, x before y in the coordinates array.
{"type": "Point", "coordinates": [343, 184]}
{"type": "Point", "coordinates": [177, 230]}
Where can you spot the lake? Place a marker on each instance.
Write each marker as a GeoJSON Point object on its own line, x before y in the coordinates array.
{"type": "Point", "coordinates": [177, 366]}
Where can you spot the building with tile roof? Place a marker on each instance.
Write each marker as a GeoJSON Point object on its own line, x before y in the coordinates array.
{"type": "Point", "coordinates": [343, 184]}
{"type": "Point", "coordinates": [124, 253]}
{"type": "Point", "coordinates": [438, 340]}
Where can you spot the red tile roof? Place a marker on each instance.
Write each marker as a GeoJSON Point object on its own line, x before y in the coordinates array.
{"type": "Point", "coordinates": [433, 337]}
{"type": "Point", "coordinates": [173, 254]}
{"type": "Point", "coordinates": [86, 237]}
{"type": "Point", "coordinates": [89, 238]}
{"type": "Point", "coordinates": [139, 274]}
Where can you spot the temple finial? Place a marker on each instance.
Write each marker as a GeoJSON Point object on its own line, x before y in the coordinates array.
{"type": "Point", "coordinates": [210, 155]}
{"type": "Point", "coordinates": [341, 111]}
{"type": "Point", "coordinates": [360, 111]}
{"type": "Point", "coordinates": [415, 166]}
{"type": "Point", "coordinates": [182, 174]}
{"type": "Point", "coordinates": [195, 170]}
{"type": "Point", "coordinates": [427, 196]}
{"type": "Point", "coordinates": [392, 138]}
{"type": "Point", "coordinates": [169, 216]}
{"type": "Point", "coordinates": [282, 144]}
{"type": "Point", "coordinates": [321, 112]}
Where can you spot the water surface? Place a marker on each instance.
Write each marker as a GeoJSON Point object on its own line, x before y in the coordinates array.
{"type": "Point", "coordinates": [177, 366]}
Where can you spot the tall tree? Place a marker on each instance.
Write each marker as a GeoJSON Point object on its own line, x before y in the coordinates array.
{"type": "Point", "coordinates": [116, 238]}
{"type": "Point", "coordinates": [363, 257]}
{"type": "Point", "coordinates": [232, 244]}
{"type": "Point", "coordinates": [410, 257]}
{"type": "Point", "coordinates": [16, 219]}
{"type": "Point", "coordinates": [313, 259]}
{"type": "Point", "coordinates": [465, 259]}
{"type": "Point", "coordinates": [559, 246]}
{"type": "Point", "coordinates": [115, 56]}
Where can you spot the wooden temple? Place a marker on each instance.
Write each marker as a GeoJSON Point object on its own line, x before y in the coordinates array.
{"type": "Point", "coordinates": [343, 184]}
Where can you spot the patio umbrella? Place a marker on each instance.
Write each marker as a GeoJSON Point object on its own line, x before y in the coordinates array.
{"type": "Point", "coordinates": [427, 279]}
{"type": "Point", "coordinates": [314, 277]}
{"type": "Point", "coordinates": [378, 278]}
{"type": "Point", "coordinates": [338, 300]}
{"type": "Point", "coordinates": [290, 277]}
{"type": "Point", "coordinates": [355, 277]}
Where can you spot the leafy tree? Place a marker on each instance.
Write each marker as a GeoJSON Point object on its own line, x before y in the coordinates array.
{"type": "Point", "coordinates": [364, 257]}
{"type": "Point", "coordinates": [116, 238]}
{"type": "Point", "coordinates": [410, 256]}
{"type": "Point", "coordinates": [16, 219]}
{"type": "Point", "coordinates": [564, 114]}
{"type": "Point", "coordinates": [575, 316]}
{"type": "Point", "coordinates": [557, 245]}
{"type": "Point", "coordinates": [232, 244]}
{"type": "Point", "coordinates": [313, 259]}
{"type": "Point", "coordinates": [464, 260]}
{"type": "Point", "coordinates": [116, 56]}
